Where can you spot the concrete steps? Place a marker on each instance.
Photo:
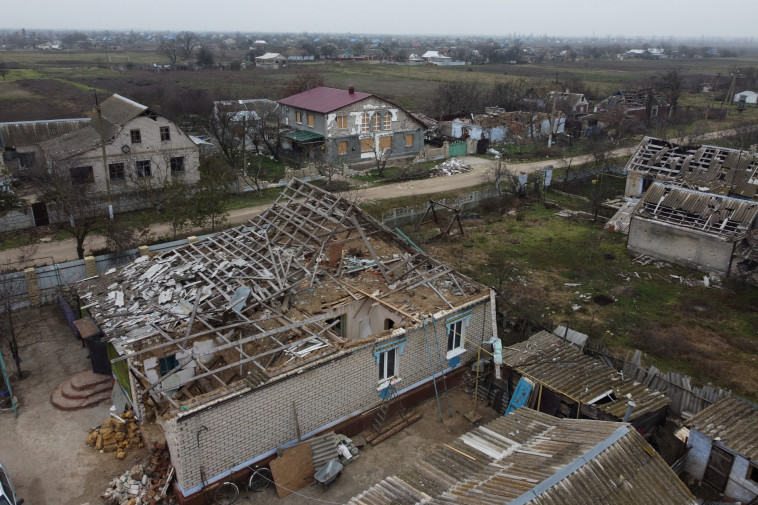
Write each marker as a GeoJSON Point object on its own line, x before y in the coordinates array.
{"type": "Point", "coordinates": [82, 390]}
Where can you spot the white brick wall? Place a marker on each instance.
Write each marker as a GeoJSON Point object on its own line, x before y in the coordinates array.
{"type": "Point", "coordinates": [253, 424]}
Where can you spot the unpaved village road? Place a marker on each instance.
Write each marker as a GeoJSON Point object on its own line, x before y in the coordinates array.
{"type": "Point", "coordinates": [65, 250]}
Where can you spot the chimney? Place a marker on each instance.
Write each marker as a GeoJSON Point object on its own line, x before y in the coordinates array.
{"type": "Point", "coordinates": [351, 89]}
{"type": "Point", "coordinates": [629, 410]}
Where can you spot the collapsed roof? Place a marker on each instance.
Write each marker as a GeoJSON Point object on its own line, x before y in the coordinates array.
{"type": "Point", "coordinates": [259, 300]}
{"type": "Point", "coordinates": [727, 218]}
{"type": "Point", "coordinates": [547, 359]}
{"type": "Point", "coordinates": [713, 169]}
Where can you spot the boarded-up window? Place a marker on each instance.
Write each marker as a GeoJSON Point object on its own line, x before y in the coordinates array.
{"type": "Point", "coordinates": [377, 121]}
{"type": "Point", "coordinates": [342, 122]}
{"type": "Point", "coordinates": [385, 143]}
{"type": "Point", "coordinates": [310, 120]}
{"type": "Point", "coordinates": [387, 121]}
{"type": "Point", "coordinates": [342, 147]}
{"type": "Point", "coordinates": [367, 145]}
{"type": "Point", "coordinates": [408, 140]}
{"type": "Point", "coordinates": [365, 125]}
{"type": "Point", "coordinates": [298, 116]}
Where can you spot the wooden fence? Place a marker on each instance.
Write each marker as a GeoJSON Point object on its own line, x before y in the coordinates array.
{"type": "Point", "coordinates": [686, 400]}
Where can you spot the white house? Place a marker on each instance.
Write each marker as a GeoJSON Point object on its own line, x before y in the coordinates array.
{"type": "Point", "coordinates": [750, 97]}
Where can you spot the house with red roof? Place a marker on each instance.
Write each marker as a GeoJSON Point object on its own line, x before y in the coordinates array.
{"type": "Point", "coordinates": [349, 127]}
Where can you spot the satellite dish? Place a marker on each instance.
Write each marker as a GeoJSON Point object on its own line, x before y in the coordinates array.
{"type": "Point", "coordinates": [125, 149]}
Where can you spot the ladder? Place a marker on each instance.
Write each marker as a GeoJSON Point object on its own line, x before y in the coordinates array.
{"type": "Point", "coordinates": [389, 395]}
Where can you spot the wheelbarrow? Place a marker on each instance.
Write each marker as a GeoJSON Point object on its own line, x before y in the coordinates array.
{"type": "Point", "coordinates": [327, 473]}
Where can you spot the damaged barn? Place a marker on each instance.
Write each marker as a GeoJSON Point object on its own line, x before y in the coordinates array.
{"type": "Point", "coordinates": [301, 321]}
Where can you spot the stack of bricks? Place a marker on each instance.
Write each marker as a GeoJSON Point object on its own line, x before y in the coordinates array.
{"type": "Point", "coordinates": [116, 434]}
{"type": "Point", "coordinates": [143, 485]}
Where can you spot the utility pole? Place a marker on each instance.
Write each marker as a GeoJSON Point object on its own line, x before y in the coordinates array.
{"type": "Point", "coordinates": [105, 156]}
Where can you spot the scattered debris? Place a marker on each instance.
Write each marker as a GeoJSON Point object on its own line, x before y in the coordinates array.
{"type": "Point", "coordinates": [116, 434]}
{"type": "Point", "coordinates": [347, 449]}
{"type": "Point", "coordinates": [143, 485]}
{"type": "Point", "coordinates": [453, 166]}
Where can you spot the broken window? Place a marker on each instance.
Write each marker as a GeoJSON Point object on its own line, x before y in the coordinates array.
{"type": "Point", "coordinates": [177, 165]}
{"type": "Point", "coordinates": [82, 175]}
{"type": "Point", "coordinates": [25, 160]}
{"type": "Point", "coordinates": [311, 120]}
{"type": "Point", "coordinates": [387, 364]}
{"type": "Point", "coordinates": [298, 117]}
{"type": "Point", "coordinates": [165, 133]}
{"type": "Point", "coordinates": [342, 122]}
{"type": "Point", "coordinates": [387, 121]}
{"type": "Point", "coordinates": [389, 324]}
{"type": "Point", "coordinates": [342, 147]}
{"type": "Point", "coordinates": [143, 168]}
{"type": "Point", "coordinates": [116, 171]}
{"type": "Point", "coordinates": [365, 123]}
{"type": "Point", "coordinates": [136, 136]}
{"type": "Point", "coordinates": [367, 145]}
{"type": "Point", "coordinates": [408, 140]}
{"type": "Point", "coordinates": [336, 325]}
{"type": "Point", "coordinates": [168, 363]}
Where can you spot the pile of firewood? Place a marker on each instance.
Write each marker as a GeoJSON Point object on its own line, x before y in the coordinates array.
{"type": "Point", "coordinates": [116, 434]}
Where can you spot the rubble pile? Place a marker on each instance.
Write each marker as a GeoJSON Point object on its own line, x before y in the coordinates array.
{"type": "Point", "coordinates": [450, 167]}
{"type": "Point", "coordinates": [117, 433]}
{"type": "Point", "coordinates": [143, 485]}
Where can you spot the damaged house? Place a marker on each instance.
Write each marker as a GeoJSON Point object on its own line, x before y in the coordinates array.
{"type": "Point", "coordinates": [643, 104]}
{"type": "Point", "coordinates": [566, 383]}
{"type": "Point", "coordinates": [349, 127]}
{"type": "Point", "coordinates": [303, 320]}
{"type": "Point", "coordinates": [692, 205]}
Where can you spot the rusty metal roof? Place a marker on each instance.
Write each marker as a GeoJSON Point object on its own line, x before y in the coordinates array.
{"type": "Point", "coordinates": [29, 133]}
{"type": "Point", "coordinates": [549, 360]}
{"type": "Point", "coordinates": [726, 217]}
{"type": "Point", "coordinates": [528, 457]}
{"type": "Point", "coordinates": [713, 169]}
{"type": "Point", "coordinates": [732, 420]}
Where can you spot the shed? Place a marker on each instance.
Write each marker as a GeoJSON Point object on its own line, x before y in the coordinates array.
{"type": "Point", "coordinates": [571, 384]}
{"type": "Point", "coordinates": [723, 448]}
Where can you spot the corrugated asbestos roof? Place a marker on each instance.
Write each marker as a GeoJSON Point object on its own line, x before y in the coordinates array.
{"type": "Point", "coordinates": [323, 99]}
{"type": "Point", "coordinates": [732, 420]}
{"type": "Point", "coordinates": [29, 133]}
{"type": "Point", "coordinates": [116, 111]}
{"type": "Point", "coordinates": [560, 367]}
{"type": "Point", "coordinates": [528, 457]}
{"type": "Point", "coordinates": [725, 217]}
{"type": "Point", "coordinates": [708, 168]}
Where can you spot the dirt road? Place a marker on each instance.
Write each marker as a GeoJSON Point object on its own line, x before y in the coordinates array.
{"type": "Point", "coordinates": [65, 250]}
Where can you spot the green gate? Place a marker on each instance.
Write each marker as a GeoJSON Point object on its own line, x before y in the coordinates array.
{"type": "Point", "coordinates": [457, 149]}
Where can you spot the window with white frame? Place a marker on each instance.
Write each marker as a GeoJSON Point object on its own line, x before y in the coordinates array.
{"type": "Point", "coordinates": [365, 122]}
{"type": "Point", "coordinates": [387, 121]}
{"type": "Point", "coordinates": [388, 364]}
{"type": "Point", "coordinates": [377, 121]}
{"type": "Point", "coordinates": [456, 334]}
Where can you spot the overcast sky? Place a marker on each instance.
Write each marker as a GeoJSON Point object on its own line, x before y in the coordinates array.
{"type": "Point", "coordinates": [656, 18]}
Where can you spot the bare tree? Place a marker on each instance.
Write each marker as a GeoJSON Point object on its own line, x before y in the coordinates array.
{"type": "Point", "coordinates": [170, 49]}
{"type": "Point", "coordinates": [228, 131]}
{"type": "Point", "coordinates": [457, 97]}
{"type": "Point", "coordinates": [266, 128]}
{"type": "Point", "coordinates": [3, 69]}
{"type": "Point", "coordinates": [210, 198]}
{"type": "Point", "coordinates": [381, 157]}
{"type": "Point", "coordinates": [673, 87]}
{"type": "Point", "coordinates": [205, 57]}
{"type": "Point", "coordinates": [306, 78]}
{"type": "Point", "coordinates": [11, 288]}
{"type": "Point", "coordinates": [503, 180]}
{"type": "Point", "coordinates": [187, 42]}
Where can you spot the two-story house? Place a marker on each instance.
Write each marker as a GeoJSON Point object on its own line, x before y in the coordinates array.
{"type": "Point", "coordinates": [142, 149]}
{"type": "Point", "coordinates": [348, 126]}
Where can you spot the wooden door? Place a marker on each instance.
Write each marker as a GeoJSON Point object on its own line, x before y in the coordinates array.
{"type": "Point", "coordinates": [719, 467]}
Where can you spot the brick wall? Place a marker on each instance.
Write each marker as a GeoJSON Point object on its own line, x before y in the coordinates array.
{"type": "Point", "coordinates": [250, 426]}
